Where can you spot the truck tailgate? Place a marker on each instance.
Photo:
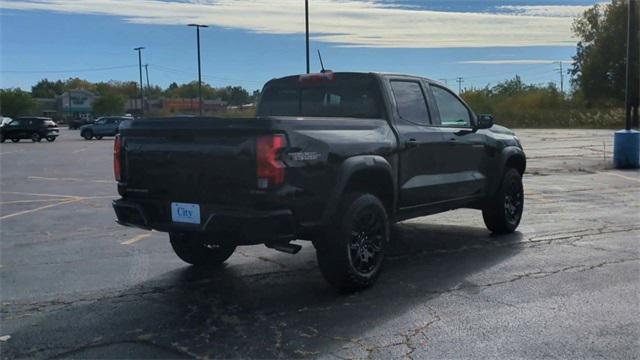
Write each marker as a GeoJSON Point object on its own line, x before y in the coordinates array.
{"type": "Point", "coordinates": [192, 160]}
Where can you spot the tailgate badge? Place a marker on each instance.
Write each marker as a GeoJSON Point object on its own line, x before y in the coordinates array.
{"type": "Point", "coordinates": [304, 156]}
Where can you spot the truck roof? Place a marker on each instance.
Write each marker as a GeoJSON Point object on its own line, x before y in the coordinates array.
{"type": "Point", "coordinates": [374, 73]}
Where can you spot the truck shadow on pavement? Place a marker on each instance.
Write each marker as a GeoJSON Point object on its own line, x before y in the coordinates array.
{"type": "Point", "coordinates": [291, 313]}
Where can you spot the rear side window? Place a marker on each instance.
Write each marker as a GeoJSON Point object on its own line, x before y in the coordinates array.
{"type": "Point", "coordinates": [411, 102]}
{"type": "Point", "coordinates": [344, 95]}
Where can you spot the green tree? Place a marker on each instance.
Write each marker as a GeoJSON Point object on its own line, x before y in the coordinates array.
{"type": "Point", "coordinates": [48, 89]}
{"type": "Point", "coordinates": [599, 68]}
{"type": "Point", "coordinates": [234, 95]}
{"type": "Point", "coordinates": [110, 104]}
{"type": "Point", "coordinates": [15, 102]}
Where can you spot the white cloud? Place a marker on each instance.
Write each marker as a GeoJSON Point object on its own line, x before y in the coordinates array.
{"type": "Point", "coordinates": [514, 62]}
{"type": "Point", "coordinates": [564, 11]}
{"type": "Point", "coordinates": [343, 22]}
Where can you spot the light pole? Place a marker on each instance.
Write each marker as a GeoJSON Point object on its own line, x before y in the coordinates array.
{"type": "Point", "coordinates": [306, 15]}
{"type": "Point", "coordinates": [198, 26]}
{"type": "Point", "coordinates": [139, 50]}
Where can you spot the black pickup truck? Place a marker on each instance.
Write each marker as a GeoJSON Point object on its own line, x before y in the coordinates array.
{"type": "Point", "coordinates": [333, 158]}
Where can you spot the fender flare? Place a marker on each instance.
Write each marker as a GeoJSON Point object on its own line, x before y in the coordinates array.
{"type": "Point", "coordinates": [507, 154]}
{"type": "Point", "coordinates": [346, 171]}
{"type": "Point", "coordinates": [510, 152]}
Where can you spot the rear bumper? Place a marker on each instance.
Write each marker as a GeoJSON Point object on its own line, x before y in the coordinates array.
{"type": "Point", "coordinates": [244, 226]}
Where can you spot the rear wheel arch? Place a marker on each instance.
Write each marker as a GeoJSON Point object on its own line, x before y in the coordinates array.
{"type": "Point", "coordinates": [376, 181]}
{"type": "Point", "coordinates": [365, 174]}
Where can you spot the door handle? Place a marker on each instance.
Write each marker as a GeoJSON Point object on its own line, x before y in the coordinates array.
{"type": "Point", "coordinates": [411, 143]}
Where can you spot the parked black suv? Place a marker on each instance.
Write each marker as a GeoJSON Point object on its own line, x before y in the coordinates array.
{"type": "Point", "coordinates": [34, 128]}
{"type": "Point", "coordinates": [334, 158]}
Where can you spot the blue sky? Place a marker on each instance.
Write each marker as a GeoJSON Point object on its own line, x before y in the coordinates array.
{"type": "Point", "coordinates": [252, 41]}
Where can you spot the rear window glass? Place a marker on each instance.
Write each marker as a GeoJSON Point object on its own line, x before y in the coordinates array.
{"type": "Point", "coordinates": [346, 95]}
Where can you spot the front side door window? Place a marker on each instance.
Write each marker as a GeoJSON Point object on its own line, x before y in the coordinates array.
{"type": "Point", "coordinates": [453, 113]}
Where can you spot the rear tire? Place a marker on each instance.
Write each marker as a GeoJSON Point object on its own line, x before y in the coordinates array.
{"type": "Point", "coordinates": [2, 139]}
{"type": "Point", "coordinates": [98, 137]}
{"type": "Point", "coordinates": [192, 249]}
{"type": "Point", "coordinates": [51, 138]}
{"type": "Point", "coordinates": [35, 137]}
{"type": "Point", "coordinates": [15, 140]}
{"type": "Point", "coordinates": [503, 212]}
{"type": "Point", "coordinates": [351, 254]}
{"type": "Point", "coordinates": [87, 134]}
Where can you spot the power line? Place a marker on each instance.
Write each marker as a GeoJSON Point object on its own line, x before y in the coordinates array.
{"type": "Point", "coordinates": [204, 75]}
{"type": "Point", "coordinates": [67, 71]}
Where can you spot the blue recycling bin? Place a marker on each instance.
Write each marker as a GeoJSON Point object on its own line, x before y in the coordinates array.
{"type": "Point", "coordinates": [626, 149]}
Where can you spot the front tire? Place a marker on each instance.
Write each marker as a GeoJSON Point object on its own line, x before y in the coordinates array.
{"type": "Point", "coordinates": [51, 138]}
{"type": "Point", "coordinates": [503, 212]}
{"type": "Point", "coordinates": [193, 249]}
{"type": "Point", "coordinates": [15, 140]}
{"type": "Point", "coordinates": [351, 255]}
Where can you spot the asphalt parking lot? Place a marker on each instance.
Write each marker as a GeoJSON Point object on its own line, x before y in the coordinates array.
{"type": "Point", "coordinates": [76, 285]}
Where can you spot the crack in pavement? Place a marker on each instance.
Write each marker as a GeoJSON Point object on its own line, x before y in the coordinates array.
{"type": "Point", "coordinates": [25, 309]}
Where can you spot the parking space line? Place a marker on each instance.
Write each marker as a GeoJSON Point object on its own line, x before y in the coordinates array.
{"type": "Point", "coordinates": [27, 201]}
{"type": "Point", "coordinates": [620, 176]}
{"type": "Point", "coordinates": [69, 179]}
{"type": "Point", "coordinates": [41, 208]}
{"type": "Point", "coordinates": [35, 194]}
{"type": "Point", "coordinates": [12, 152]}
{"type": "Point", "coordinates": [137, 238]}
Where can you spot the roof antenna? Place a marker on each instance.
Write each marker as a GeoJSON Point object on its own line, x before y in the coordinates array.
{"type": "Point", "coordinates": [321, 63]}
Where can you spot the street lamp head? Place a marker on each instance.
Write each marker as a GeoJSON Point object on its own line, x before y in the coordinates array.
{"type": "Point", "coordinates": [198, 25]}
{"type": "Point", "coordinates": [138, 48]}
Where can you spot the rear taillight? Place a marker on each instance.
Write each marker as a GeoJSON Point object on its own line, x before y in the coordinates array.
{"type": "Point", "coordinates": [117, 158]}
{"type": "Point", "coordinates": [270, 169]}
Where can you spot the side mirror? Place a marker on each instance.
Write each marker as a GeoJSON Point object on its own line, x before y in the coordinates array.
{"type": "Point", "coordinates": [485, 121]}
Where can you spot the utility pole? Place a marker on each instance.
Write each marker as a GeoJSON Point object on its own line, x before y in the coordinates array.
{"type": "Point", "coordinates": [139, 50]}
{"type": "Point", "coordinates": [198, 26]}
{"type": "Point", "coordinates": [459, 80]}
{"type": "Point", "coordinates": [146, 69]}
{"type": "Point", "coordinates": [632, 91]}
{"type": "Point", "coordinates": [306, 15]}
{"type": "Point", "coordinates": [561, 71]}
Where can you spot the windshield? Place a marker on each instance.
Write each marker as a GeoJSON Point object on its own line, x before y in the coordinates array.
{"type": "Point", "coordinates": [340, 95]}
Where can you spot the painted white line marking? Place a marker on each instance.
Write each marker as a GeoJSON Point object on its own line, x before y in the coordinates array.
{"type": "Point", "coordinates": [135, 239]}
{"type": "Point", "coordinates": [41, 208]}
{"type": "Point", "coordinates": [12, 152]}
{"type": "Point", "coordinates": [34, 194]}
{"type": "Point", "coordinates": [79, 151]}
{"type": "Point", "coordinates": [620, 176]}
{"type": "Point", "coordinates": [69, 179]}
{"type": "Point", "coordinates": [28, 201]}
